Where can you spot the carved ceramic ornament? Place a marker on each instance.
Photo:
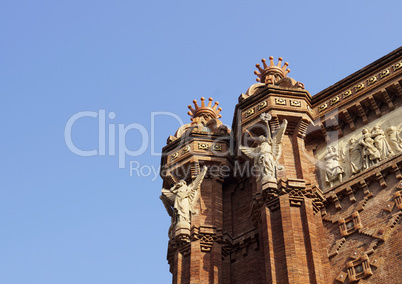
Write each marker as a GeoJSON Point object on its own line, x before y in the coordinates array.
{"type": "Point", "coordinates": [272, 74]}
{"type": "Point", "coordinates": [360, 150]}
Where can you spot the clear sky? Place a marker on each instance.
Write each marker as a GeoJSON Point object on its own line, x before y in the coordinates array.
{"type": "Point", "coordinates": [67, 218]}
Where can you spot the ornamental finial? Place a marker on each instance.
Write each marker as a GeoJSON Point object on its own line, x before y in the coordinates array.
{"type": "Point", "coordinates": [268, 73]}
{"type": "Point", "coordinates": [206, 111]}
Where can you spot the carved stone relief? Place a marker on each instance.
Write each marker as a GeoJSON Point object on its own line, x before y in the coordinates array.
{"type": "Point", "coordinates": [333, 170]}
{"type": "Point", "coordinates": [360, 150]}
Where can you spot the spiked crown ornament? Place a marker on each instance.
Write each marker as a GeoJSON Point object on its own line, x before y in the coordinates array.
{"type": "Point", "coordinates": [269, 74]}
{"type": "Point", "coordinates": [207, 112]}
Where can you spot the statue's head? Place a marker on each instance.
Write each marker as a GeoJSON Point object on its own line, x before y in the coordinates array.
{"type": "Point", "coordinates": [364, 131]}
{"type": "Point", "coordinates": [352, 140]}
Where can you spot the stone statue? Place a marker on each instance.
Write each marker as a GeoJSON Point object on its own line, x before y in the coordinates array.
{"type": "Point", "coordinates": [381, 143]}
{"type": "Point", "coordinates": [370, 154]}
{"type": "Point", "coordinates": [266, 155]}
{"type": "Point", "coordinates": [333, 170]}
{"type": "Point", "coordinates": [394, 140]}
{"type": "Point", "coordinates": [353, 156]}
{"type": "Point", "coordinates": [180, 201]}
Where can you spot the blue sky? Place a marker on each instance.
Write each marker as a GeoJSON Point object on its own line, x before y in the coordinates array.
{"type": "Point", "coordinates": [66, 218]}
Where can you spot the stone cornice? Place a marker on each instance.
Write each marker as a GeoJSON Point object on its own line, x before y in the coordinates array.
{"type": "Point", "coordinates": [357, 76]}
{"type": "Point", "coordinates": [219, 146]}
{"type": "Point", "coordinates": [296, 189]}
{"type": "Point", "coordinates": [272, 91]}
{"type": "Point", "coordinates": [358, 90]}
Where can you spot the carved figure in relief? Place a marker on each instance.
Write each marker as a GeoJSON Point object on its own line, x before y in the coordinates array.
{"type": "Point", "coordinates": [373, 146]}
{"type": "Point", "coordinates": [381, 143]}
{"type": "Point", "coordinates": [266, 155]}
{"type": "Point", "coordinates": [353, 156]}
{"type": "Point", "coordinates": [394, 140]}
{"type": "Point", "coordinates": [180, 201]}
{"type": "Point", "coordinates": [371, 155]}
{"type": "Point", "coordinates": [333, 170]}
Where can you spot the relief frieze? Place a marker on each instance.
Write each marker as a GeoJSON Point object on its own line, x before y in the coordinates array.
{"type": "Point", "coordinates": [361, 150]}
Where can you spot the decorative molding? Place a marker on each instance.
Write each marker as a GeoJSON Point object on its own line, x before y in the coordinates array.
{"type": "Point", "coordinates": [262, 105]}
{"type": "Point", "coordinates": [398, 199]}
{"type": "Point", "coordinates": [347, 94]}
{"type": "Point", "coordinates": [397, 66]}
{"type": "Point", "coordinates": [335, 100]}
{"type": "Point", "coordinates": [217, 147]}
{"type": "Point", "coordinates": [384, 73]}
{"type": "Point", "coordinates": [323, 107]}
{"type": "Point", "coordinates": [359, 268]}
{"type": "Point", "coordinates": [295, 103]}
{"type": "Point", "coordinates": [203, 146]}
{"type": "Point", "coordinates": [296, 189]}
{"type": "Point", "coordinates": [372, 80]}
{"type": "Point", "coordinates": [207, 235]}
{"type": "Point", "coordinates": [186, 149]}
{"type": "Point", "coordinates": [350, 225]}
{"type": "Point", "coordinates": [280, 101]}
{"type": "Point", "coordinates": [249, 112]}
{"type": "Point", "coordinates": [359, 87]}
{"type": "Point", "coordinates": [174, 156]}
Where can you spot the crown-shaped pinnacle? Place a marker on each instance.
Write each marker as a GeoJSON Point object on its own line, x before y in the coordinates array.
{"type": "Point", "coordinates": [210, 102]}
{"type": "Point", "coordinates": [271, 59]}
{"type": "Point", "coordinates": [202, 102]}
{"type": "Point", "coordinates": [205, 110]}
{"type": "Point", "coordinates": [264, 63]}
{"type": "Point", "coordinates": [218, 111]}
{"type": "Point", "coordinates": [195, 104]}
{"type": "Point", "coordinates": [280, 59]}
{"type": "Point", "coordinates": [257, 73]}
{"type": "Point", "coordinates": [271, 69]}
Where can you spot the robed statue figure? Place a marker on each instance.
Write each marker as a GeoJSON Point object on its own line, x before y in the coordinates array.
{"type": "Point", "coordinates": [180, 201]}
{"type": "Point", "coordinates": [266, 155]}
